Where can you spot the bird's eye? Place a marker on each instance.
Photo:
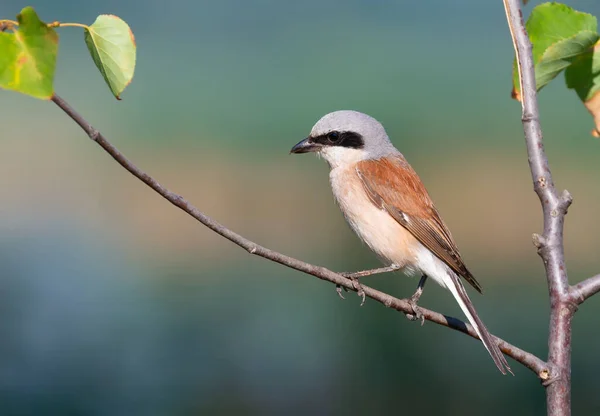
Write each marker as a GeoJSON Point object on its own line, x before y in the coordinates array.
{"type": "Point", "coordinates": [333, 136]}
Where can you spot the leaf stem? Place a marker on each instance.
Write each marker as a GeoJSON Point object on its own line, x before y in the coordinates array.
{"type": "Point", "coordinates": [7, 24]}
{"type": "Point", "coordinates": [59, 24]}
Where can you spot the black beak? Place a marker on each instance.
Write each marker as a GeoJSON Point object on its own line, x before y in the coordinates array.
{"type": "Point", "coordinates": [305, 146]}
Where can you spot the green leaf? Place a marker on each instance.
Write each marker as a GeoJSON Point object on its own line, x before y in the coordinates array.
{"type": "Point", "coordinates": [561, 55]}
{"type": "Point", "coordinates": [584, 74]}
{"type": "Point", "coordinates": [584, 77]}
{"type": "Point", "coordinates": [112, 46]}
{"type": "Point", "coordinates": [28, 56]}
{"type": "Point", "coordinates": [559, 35]}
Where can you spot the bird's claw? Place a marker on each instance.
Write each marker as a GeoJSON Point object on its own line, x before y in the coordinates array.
{"type": "Point", "coordinates": [417, 314]}
{"type": "Point", "coordinates": [338, 289]}
{"type": "Point", "coordinates": [357, 286]}
{"type": "Point", "coordinates": [412, 301]}
{"type": "Point", "coordinates": [359, 291]}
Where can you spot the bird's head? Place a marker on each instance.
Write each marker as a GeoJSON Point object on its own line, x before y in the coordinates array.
{"type": "Point", "coordinates": [346, 137]}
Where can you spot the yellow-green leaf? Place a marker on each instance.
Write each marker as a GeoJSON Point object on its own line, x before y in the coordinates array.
{"type": "Point", "coordinates": [584, 77]}
{"type": "Point", "coordinates": [28, 56]}
{"type": "Point", "coordinates": [559, 34]}
{"type": "Point", "coordinates": [562, 54]}
{"type": "Point", "coordinates": [112, 47]}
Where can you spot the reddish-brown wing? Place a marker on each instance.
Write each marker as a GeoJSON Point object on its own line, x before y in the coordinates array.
{"type": "Point", "coordinates": [392, 184]}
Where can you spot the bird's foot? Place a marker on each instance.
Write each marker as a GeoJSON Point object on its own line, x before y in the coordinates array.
{"type": "Point", "coordinates": [338, 289]}
{"type": "Point", "coordinates": [357, 286]}
{"type": "Point", "coordinates": [417, 314]}
{"type": "Point", "coordinates": [414, 299]}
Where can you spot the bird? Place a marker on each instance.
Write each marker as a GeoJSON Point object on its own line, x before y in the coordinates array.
{"type": "Point", "coordinates": [386, 204]}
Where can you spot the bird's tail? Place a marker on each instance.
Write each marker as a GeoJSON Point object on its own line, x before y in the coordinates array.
{"type": "Point", "coordinates": [455, 286]}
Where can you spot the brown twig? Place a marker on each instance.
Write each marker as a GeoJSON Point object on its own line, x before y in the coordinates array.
{"type": "Point", "coordinates": [538, 366]}
{"type": "Point", "coordinates": [554, 208]}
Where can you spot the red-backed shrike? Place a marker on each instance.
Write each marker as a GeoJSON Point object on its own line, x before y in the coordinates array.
{"type": "Point", "coordinates": [386, 204]}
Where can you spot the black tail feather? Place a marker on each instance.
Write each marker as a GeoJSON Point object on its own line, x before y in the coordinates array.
{"type": "Point", "coordinates": [488, 340]}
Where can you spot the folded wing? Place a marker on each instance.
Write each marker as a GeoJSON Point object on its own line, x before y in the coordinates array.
{"type": "Point", "coordinates": [393, 185]}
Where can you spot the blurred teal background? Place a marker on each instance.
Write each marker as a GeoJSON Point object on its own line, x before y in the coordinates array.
{"type": "Point", "coordinates": [112, 302]}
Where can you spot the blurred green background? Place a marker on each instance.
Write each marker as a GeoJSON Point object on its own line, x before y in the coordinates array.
{"type": "Point", "coordinates": [112, 302]}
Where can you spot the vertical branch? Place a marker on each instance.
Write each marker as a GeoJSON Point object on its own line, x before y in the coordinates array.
{"type": "Point", "coordinates": [554, 207]}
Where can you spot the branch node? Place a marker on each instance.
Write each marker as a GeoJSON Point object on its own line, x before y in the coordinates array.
{"type": "Point", "coordinates": [571, 306]}
{"type": "Point", "coordinates": [538, 240]}
{"type": "Point", "coordinates": [544, 375]}
{"type": "Point", "coordinates": [550, 378]}
{"type": "Point", "coordinates": [252, 249]}
{"type": "Point", "coordinates": [527, 117]}
{"type": "Point", "coordinates": [566, 199]}
{"type": "Point", "coordinates": [576, 295]}
{"type": "Point", "coordinates": [584, 290]}
{"type": "Point", "coordinates": [94, 134]}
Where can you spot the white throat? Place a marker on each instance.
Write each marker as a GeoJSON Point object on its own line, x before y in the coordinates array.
{"type": "Point", "coordinates": [342, 156]}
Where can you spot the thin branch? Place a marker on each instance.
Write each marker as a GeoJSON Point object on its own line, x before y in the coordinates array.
{"type": "Point", "coordinates": [7, 24]}
{"type": "Point", "coordinates": [59, 24]}
{"type": "Point", "coordinates": [535, 364]}
{"type": "Point", "coordinates": [554, 207]}
{"type": "Point", "coordinates": [583, 290]}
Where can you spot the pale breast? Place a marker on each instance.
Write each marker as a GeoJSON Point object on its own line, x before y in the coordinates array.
{"type": "Point", "coordinates": [388, 239]}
